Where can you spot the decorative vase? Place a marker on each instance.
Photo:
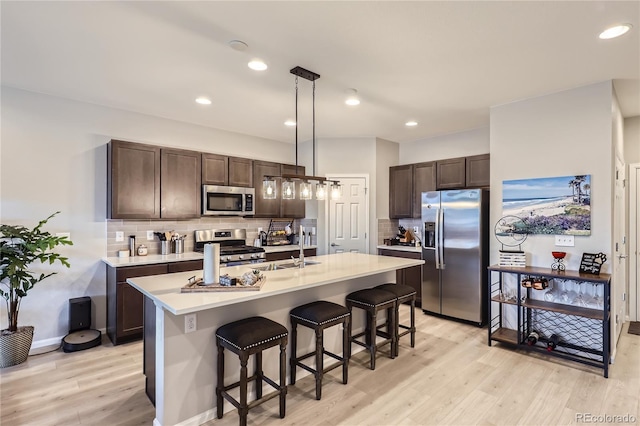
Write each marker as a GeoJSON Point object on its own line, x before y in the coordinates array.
{"type": "Point", "coordinates": [14, 347]}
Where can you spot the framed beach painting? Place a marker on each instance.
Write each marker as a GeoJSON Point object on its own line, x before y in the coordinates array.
{"type": "Point", "coordinates": [554, 206]}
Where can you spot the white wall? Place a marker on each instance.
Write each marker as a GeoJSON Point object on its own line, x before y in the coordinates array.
{"type": "Point", "coordinates": [632, 140]}
{"type": "Point", "coordinates": [351, 156]}
{"type": "Point", "coordinates": [54, 157]}
{"type": "Point", "coordinates": [562, 134]}
{"type": "Point", "coordinates": [461, 144]}
{"type": "Point", "coordinates": [387, 155]}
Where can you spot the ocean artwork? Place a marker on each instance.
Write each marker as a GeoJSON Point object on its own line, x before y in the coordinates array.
{"type": "Point", "coordinates": [553, 206]}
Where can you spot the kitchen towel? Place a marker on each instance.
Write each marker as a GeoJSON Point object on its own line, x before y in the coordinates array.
{"type": "Point", "coordinates": [211, 274]}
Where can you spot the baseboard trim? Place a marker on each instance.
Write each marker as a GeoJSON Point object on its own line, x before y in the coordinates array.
{"type": "Point", "coordinates": [52, 342]}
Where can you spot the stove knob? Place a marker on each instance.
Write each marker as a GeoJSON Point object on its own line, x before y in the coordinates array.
{"type": "Point", "coordinates": [224, 258]}
{"type": "Point", "coordinates": [241, 257]}
{"type": "Point", "coordinates": [254, 256]}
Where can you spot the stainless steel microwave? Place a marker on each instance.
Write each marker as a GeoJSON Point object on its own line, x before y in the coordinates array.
{"type": "Point", "coordinates": [227, 201]}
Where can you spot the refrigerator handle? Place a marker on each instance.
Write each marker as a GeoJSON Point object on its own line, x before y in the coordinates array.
{"type": "Point", "coordinates": [437, 238]}
{"type": "Point", "coordinates": [440, 228]}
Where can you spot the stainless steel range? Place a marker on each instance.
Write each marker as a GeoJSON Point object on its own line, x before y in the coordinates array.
{"type": "Point", "coordinates": [233, 247]}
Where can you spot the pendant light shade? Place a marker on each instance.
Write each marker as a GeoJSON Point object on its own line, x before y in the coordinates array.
{"type": "Point", "coordinates": [288, 190]}
{"type": "Point", "coordinates": [321, 191]}
{"type": "Point", "coordinates": [305, 190]}
{"type": "Point", "coordinates": [336, 191]}
{"type": "Point", "coordinates": [269, 188]}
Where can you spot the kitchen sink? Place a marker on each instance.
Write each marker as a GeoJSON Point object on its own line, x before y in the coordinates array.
{"type": "Point", "coordinates": [287, 265]}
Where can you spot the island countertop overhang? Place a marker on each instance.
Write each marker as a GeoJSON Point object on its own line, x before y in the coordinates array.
{"type": "Point", "coordinates": [164, 290]}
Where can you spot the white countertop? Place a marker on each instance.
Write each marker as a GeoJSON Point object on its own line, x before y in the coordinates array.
{"type": "Point", "coordinates": [402, 248]}
{"type": "Point", "coordinates": [164, 290]}
{"type": "Point", "coordinates": [151, 259]}
{"type": "Point", "coordinates": [288, 247]}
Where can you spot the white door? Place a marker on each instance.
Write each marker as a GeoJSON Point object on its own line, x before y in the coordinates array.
{"type": "Point", "coordinates": [619, 280]}
{"type": "Point", "coordinates": [633, 247]}
{"type": "Point", "coordinates": [349, 217]}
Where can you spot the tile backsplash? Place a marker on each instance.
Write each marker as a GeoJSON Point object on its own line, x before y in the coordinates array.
{"type": "Point", "coordinates": [139, 228]}
{"type": "Point", "coordinates": [387, 228]}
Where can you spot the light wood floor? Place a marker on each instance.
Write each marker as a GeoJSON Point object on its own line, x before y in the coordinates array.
{"type": "Point", "coordinates": [451, 377]}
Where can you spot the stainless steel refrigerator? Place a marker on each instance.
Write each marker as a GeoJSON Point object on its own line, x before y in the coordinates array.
{"type": "Point", "coordinates": [455, 251]}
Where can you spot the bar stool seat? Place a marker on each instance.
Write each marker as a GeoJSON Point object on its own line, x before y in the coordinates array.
{"type": "Point", "coordinates": [373, 300]}
{"type": "Point", "coordinates": [247, 337]}
{"type": "Point", "coordinates": [318, 316]}
{"type": "Point", "coordinates": [403, 293]}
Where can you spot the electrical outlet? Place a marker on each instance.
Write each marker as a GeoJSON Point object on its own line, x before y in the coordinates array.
{"type": "Point", "coordinates": [565, 241]}
{"type": "Point", "coordinates": [149, 235]}
{"type": "Point", "coordinates": [190, 323]}
{"type": "Point", "coordinates": [415, 229]}
{"type": "Point", "coordinates": [119, 236]}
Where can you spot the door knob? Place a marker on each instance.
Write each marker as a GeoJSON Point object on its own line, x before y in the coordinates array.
{"type": "Point", "coordinates": [335, 245]}
{"type": "Point", "coordinates": [622, 256]}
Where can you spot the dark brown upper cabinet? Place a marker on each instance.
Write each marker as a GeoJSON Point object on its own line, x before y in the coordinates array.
{"type": "Point", "coordinates": [478, 171]}
{"type": "Point", "coordinates": [133, 180]}
{"type": "Point", "coordinates": [293, 208]}
{"type": "Point", "coordinates": [451, 173]}
{"type": "Point", "coordinates": [224, 170]}
{"type": "Point", "coordinates": [240, 172]}
{"type": "Point", "coordinates": [215, 169]}
{"type": "Point", "coordinates": [181, 182]}
{"type": "Point", "coordinates": [424, 180]}
{"type": "Point", "coordinates": [401, 191]}
{"type": "Point", "coordinates": [266, 208]}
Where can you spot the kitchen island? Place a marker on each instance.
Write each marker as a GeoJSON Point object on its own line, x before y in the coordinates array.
{"type": "Point", "coordinates": [185, 363]}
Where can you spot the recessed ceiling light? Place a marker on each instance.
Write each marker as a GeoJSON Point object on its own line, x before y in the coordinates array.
{"type": "Point", "coordinates": [615, 31]}
{"type": "Point", "coordinates": [411, 123]}
{"type": "Point", "coordinates": [203, 100]}
{"type": "Point", "coordinates": [257, 65]}
{"type": "Point", "coordinates": [238, 45]}
{"type": "Point", "coordinates": [290, 123]}
{"type": "Point", "coordinates": [352, 97]}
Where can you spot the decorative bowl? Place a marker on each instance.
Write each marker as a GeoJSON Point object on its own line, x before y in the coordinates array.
{"type": "Point", "coordinates": [558, 254]}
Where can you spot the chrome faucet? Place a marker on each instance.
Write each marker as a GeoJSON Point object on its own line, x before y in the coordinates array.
{"type": "Point", "coordinates": [299, 262]}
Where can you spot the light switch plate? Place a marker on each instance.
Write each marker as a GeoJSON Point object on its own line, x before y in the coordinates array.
{"type": "Point", "coordinates": [149, 235]}
{"type": "Point", "coordinates": [565, 241]}
{"type": "Point", "coordinates": [119, 236]}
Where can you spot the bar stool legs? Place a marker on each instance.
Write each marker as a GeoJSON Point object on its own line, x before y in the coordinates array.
{"type": "Point", "coordinates": [403, 293]}
{"type": "Point", "coordinates": [372, 301]}
{"type": "Point", "coordinates": [245, 338]}
{"type": "Point", "coordinates": [319, 316]}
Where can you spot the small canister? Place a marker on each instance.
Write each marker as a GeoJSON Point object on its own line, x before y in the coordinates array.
{"type": "Point", "coordinates": [165, 247]}
{"type": "Point", "coordinates": [142, 250]}
{"type": "Point", "coordinates": [178, 246]}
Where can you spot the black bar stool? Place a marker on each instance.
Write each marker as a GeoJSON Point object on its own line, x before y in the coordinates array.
{"type": "Point", "coordinates": [373, 300]}
{"type": "Point", "coordinates": [404, 293]}
{"type": "Point", "coordinates": [247, 337]}
{"type": "Point", "coordinates": [318, 316]}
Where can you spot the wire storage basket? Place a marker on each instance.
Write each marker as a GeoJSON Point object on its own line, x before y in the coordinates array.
{"type": "Point", "coordinates": [280, 232]}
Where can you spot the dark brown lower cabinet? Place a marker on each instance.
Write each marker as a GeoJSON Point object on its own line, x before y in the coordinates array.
{"type": "Point", "coordinates": [409, 276]}
{"type": "Point", "coordinates": [125, 321]}
{"type": "Point", "coordinates": [283, 255]}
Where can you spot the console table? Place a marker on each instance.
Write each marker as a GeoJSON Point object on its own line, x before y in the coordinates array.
{"type": "Point", "coordinates": [583, 331]}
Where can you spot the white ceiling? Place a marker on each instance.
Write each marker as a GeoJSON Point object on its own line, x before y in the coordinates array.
{"type": "Point", "coordinates": [440, 63]}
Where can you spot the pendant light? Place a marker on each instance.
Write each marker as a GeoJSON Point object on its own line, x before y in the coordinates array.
{"type": "Point", "coordinates": [305, 190]}
{"type": "Point", "coordinates": [288, 190]}
{"type": "Point", "coordinates": [321, 191]}
{"type": "Point", "coordinates": [336, 191]}
{"type": "Point", "coordinates": [269, 188]}
{"type": "Point", "coordinates": [288, 180]}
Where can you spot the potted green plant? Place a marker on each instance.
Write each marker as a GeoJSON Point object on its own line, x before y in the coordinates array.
{"type": "Point", "coordinates": [20, 247]}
